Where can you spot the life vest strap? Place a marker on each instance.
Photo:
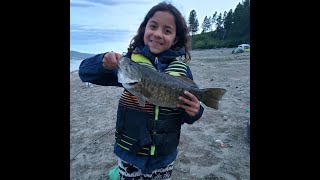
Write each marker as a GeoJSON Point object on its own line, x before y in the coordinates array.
{"type": "Point", "coordinates": [164, 143]}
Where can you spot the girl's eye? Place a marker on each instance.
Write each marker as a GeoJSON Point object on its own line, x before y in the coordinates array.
{"type": "Point", "coordinates": [152, 26]}
{"type": "Point", "coordinates": [167, 31]}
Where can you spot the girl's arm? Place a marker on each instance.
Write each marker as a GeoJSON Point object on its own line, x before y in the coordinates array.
{"type": "Point", "coordinates": [91, 70]}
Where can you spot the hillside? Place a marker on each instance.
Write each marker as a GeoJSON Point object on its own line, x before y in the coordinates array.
{"type": "Point", "coordinates": [209, 40]}
{"type": "Point", "coordinates": [75, 55]}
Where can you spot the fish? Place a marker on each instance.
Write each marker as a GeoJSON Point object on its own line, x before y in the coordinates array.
{"type": "Point", "coordinates": [162, 89]}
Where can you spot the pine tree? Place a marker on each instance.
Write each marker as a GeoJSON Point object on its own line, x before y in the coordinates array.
{"type": "Point", "coordinates": [213, 19]}
{"type": "Point", "coordinates": [193, 22]}
{"type": "Point", "coordinates": [219, 29]}
{"type": "Point", "coordinates": [204, 25]}
{"type": "Point", "coordinates": [228, 23]}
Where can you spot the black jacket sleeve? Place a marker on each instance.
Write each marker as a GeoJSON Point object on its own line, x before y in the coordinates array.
{"type": "Point", "coordinates": [91, 70]}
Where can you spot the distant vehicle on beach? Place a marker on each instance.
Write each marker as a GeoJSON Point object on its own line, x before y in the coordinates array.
{"type": "Point", "coordinates": [241, 48]}
{"type": "Point", "coordinates": [245, 47]}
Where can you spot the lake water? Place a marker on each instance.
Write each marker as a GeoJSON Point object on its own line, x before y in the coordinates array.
{"type": "Point", "coordinates": [74, 65]}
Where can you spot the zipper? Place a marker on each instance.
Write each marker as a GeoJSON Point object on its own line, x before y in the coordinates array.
{"type": "Point", "coordinates": [156, 114]}
{"type": "Point", "coordinates": [156, 62]}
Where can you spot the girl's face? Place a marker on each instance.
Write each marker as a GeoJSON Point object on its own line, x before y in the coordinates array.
{"type": "Point", "coordinates": [160, 32]}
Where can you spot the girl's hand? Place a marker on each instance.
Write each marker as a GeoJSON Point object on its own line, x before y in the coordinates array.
{"type": "Point", "coordinates": [192, 106]}
{"type": "Point", "coordinates": [110, 60]}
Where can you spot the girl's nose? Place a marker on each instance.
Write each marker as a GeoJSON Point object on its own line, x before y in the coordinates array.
{"type": "Point", "coordinates": [158, 33]}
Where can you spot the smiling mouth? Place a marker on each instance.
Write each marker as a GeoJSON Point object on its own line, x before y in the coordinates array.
{"type": "Point", "coordinates": [155, 42]}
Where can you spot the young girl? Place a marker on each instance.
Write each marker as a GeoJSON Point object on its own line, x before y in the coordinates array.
{"type": "Point", "coordinates": [147, 137]}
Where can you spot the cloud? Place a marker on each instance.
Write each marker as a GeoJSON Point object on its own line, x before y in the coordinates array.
{"type": "Point", "coordinates": [83, 34]}
{"type": "Point", "coordinates": [117, 2]}
{"type": "Point", "coordinates": [90, 3]}
{"type": "Point", "coordinates": [81, 3]}
{"type": "Point", "coordinates": [75, 4]}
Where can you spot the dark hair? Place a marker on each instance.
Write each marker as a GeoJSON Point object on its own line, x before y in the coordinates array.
{"type": "Point", "coordinates": [182, 32]}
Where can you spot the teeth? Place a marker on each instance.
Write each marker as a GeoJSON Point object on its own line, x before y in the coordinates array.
{"type": "Point", "coordinates": [156, 42]}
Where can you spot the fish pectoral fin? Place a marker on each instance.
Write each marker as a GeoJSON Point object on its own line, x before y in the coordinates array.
{"type": "Point", "coordinates": [141, 100]}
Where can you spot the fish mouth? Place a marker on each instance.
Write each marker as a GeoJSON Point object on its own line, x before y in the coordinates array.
{"type": "Point", "coordinates": [125, 78]}
{"type": "Point", "coordinates": [130, 85]}
{"type": "Point", "coordinates": [128, 72]}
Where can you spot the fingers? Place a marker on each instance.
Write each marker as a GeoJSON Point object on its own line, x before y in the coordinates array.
{"type": "Point", "coordinates": [191, 96]}
{"type": "Point", "coordinates": [193, 102]}
{"type": "Point", "coordinates": [110, 60]}
{"type": "Point", "coordinates": [191, 106]}
{"type": "Point", "coordinates": [190, 110]}
{"type": "Point", "coordinates": [118, 56]}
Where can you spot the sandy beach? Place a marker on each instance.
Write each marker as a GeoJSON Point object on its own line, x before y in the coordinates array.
{"type": "Point", "coordinates": [214, 147]}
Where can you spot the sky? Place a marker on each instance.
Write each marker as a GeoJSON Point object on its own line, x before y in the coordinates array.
{"type": "Point", "coordinates": [98, 26]}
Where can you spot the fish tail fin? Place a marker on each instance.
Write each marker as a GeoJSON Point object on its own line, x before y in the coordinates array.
{"type": "Point", "coordinates": [212, 97]}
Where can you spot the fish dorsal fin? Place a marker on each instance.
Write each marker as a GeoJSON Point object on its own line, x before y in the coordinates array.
{"type": "Point", "coordinates": [189, 81]}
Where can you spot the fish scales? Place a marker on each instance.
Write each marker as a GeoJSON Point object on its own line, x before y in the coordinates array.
{"type": "Point", "coordinates": [160, 88]}
{"type": "Point", "coordinates": [163, 88]}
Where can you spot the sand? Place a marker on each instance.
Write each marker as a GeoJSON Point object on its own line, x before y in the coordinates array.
{"type": "Point", "coordinates": [214, 147]}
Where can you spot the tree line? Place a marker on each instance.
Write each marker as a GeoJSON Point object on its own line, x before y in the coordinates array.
{"type": "Point", "coordinates": [221, 30]}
